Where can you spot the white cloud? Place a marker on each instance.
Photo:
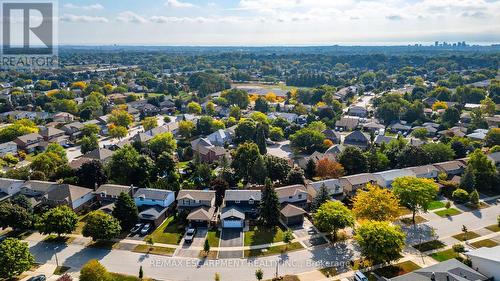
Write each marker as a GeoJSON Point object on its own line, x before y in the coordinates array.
{"type": "Point", "coordinates": [82, 18]}
{"type": "Point", "coordinates": [131, 17]}
{"type": "Point", "coordinates": [179, 4]}
{"type": "Point", "coordinates": [394, 17]}
{"type": "Point", "coordinates": [92, 7]}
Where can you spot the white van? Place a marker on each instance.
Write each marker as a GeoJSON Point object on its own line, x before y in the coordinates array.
{"type": "Point", "coordinates": [359, 276]}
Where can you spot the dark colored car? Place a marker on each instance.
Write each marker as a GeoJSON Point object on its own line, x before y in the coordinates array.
{"type": "Point", "coordinates": [38, 278]}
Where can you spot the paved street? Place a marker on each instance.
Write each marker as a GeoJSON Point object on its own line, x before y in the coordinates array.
{"type": "Point", "coordinates": [230, 268]}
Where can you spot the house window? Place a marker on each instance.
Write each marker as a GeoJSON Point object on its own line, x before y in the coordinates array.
{"type": "Point", "coordinates": [300, 196]}
{"type": "Point", "coordinates": [237, 201]}
{"type": "Point", "coordinates": [290, 197]}
{"type": "Point", "coordinates": [197, 201]}
{"type": "Point", "coordinates": [250, 201]}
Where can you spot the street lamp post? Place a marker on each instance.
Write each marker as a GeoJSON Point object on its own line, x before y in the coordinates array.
{"type": "Point", "coordinates": [55, 254]}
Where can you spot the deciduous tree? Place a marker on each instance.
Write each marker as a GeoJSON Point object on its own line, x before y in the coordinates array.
{"type": "Point", "coordinates": [15, 258]}
{"type": "Point", "coordinates": [376, 203]}
{"type": "Point", "coordinates": [380, 241]}
{"type": "Point", "coordinates": [101, 226]}
{"type": "Point", "coordinates": [415, 193]}
{"type": "Point", "coordinates": [332, 216]}
{"type": "Point", "coordinates": [59, 220]}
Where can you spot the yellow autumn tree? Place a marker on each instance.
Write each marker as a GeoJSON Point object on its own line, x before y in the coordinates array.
{"type": "Point", "coordinates": [271, 97]}
{"type": "Point", "coordinates": [439, 105]}
{"type": "Point", "coordinates": [376, 203]}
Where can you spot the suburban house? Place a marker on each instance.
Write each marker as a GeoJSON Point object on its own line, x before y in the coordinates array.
{"type": "Point", "coordinates": [109, 192]}
{"type": "Point", "coordinates": [357, 138]}
{"type": "Point", "coordinates": [102, 155]}
{"type": "Point", "coordinates": [358, 111]}
{"type": "Point", "coordinates": [352, 183]}
{"type": "Point", "coordinates": [9, 187]}
{"type": "Point", "coordinates": [63, 117]}
{"type": "Point", "coordinates": [75, 197]}
{"type": "Point", "coordinates": [399, 127]}
{"type": "Point", "coordinates": [347, 123]}
{"type": "Point", "coordinates": [486, 261]}
{"type": "Point", "coordinates": [73, 130]}
{"type": "Point", "coordinates": [30, 142]}
{"type": "Point", "coordinates": [450, 270]}
{"type": "Point", "coordinates": [8, 148]}
{"type": "Point", "coordinates": [332, 135]}
{"type": "Point", "coordinates": [385, 178]}
{"type": "Point", "coordinates": [220, 137]}
{"type": "Point", "coordinates": [292, 215]}
{"type": "Point", "coordinates": [373, 126]}
{"type": "Point", "coordinates": [51, 134]}
{"type": "Point", "coordinates": [238, 206]}
{"type": "Point", "coordinates": [290, 117]}
{"type": "Point", "coordinates": [292, 194]}
{"type": "Point", "coordinates": [495, 158]}
{"type": "Point", "coordinates": [425, 171]}
{"type": "Point", "coordinates": [380, 139]}
{"type": "Point", "coordinates": [208, 152]}
{"type": "Point", "coordinates": [200, 204]}
{"type": "Point", "coordinates": [332, 185]}
{"type": "Point", "coordinates": [153, 204]}
{"type": "Point", "coordinates": [451, 168]}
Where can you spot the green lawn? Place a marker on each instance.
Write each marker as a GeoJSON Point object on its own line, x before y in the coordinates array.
{"type": "Point", "coordinates": [494, 228]}
{"type": "Point", "coordinates": [169, 232]}
{"type": "Point", "coordinates": [275, 250]}
{"type": "Point", "coordinates": [470, 235]}
{"type": "Point", "coordinates": [329, 271]}
{"type": "Point", "coordinates": [155, 250]}
{"type": "Point", "coordinates": [430, 245]}
{"type": "Point", "coordinates": [60, 270]}
{"type": "Point", "coordinates": [213, 237]}
{"type": "Point", "coordinates": [448, 212]}
{"type": "Point", "coordinates": [392, 271]}
{"type": "Point", "coordinates": [81, 222]}
{"type": "Point", "coordinates": [436, 205]}
{"type": "Point", "coordinates": [484, 243]}
{"type": "Point", "coordinates": [258, 235]}
{"type": "Point", "coordinates": [444, 255]}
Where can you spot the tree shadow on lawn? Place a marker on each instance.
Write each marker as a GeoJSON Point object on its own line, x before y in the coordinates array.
{"type": "Point", "coordinates": [338, 255]}
{"type": "Point", "coordinates": [78, 259]}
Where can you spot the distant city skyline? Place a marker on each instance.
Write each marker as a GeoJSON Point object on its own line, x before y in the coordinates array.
{"type": "Point", "coordinates": [277, 22]}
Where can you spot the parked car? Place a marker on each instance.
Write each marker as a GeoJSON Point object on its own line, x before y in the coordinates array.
{"type": "Point", "coordinates": [136, 228]}
{"type": "Point", "coordinates": [359, 276]}
{"type": "Point", "coordinates": [145, 230]}
{"type": "Point", "coordinates": [38, 278]}
{"type": "Point", "coordinates": [189, 235]}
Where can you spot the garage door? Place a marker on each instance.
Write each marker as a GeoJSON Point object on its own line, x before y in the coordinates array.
{"type": "Point", "coordinates": [233, 223]}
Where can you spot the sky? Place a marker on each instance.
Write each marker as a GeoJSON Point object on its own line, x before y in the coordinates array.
{"type": "Point", "coordinates": [277, 22]}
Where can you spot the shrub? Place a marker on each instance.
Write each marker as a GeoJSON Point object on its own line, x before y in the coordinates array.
{"type": "Point", "coordinates": [460, 195]}
{"type": "Point", "coordinates": [458, 248]}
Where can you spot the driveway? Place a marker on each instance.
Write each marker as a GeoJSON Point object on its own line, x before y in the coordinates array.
{"type": "Point", "coordinates": [192, 250]}
{"type": "Point", "coordinates": [231, 238]}
{"type": "Point", "coordinates": [308, 234]}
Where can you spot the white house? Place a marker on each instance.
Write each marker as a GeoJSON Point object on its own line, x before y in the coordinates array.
{"type": "Point", "coordinates": [152, 197]}
{"type": "Point", "coordinates": [8, 148]}
{"type": "Point", "coordinates": [332, 185]}
{"type": "Point", "coordinates": [487, 261]}
{"type": "Point", "coordinates": [294, 194]}
{"type": "Point", "coordinates": [425, 171]}
{"type": "Point", "coordinates": [386, 178]}
{"type": "Point", "coordinates": [290, 117]}
{"type": "Point", "coordinates": [219, 137]}
{"type": "Point", "coordinates": [10, 186]}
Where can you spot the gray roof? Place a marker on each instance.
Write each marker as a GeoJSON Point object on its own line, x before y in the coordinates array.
{"type": "Point", "coordinates": [290, 190]}
{"type": "Point", "coordinates": [152, 193]}
{"type": "Point", "coordinates": [99, 154]}
{"type": "Point", "coordinates": [242, 195]}
{"type": "Point", "coordinates": [30, 137]}
{"type": "Point", "coordinates": [291, 211]}
{"type": "Point", "coordinates": [68, 192]}
{"type": "Point", "coordinates": [202, 195]}
{"type": "Point", "coordinates": [495, 157]}
{"type": "Point", "coordinates": [450, 270]}
{"type": "Point", "coordinates": [113, 189]}
{"type": "Point", "coordinates": [152, 212]}
{"type": "Point", "coordinates": [232, 212]}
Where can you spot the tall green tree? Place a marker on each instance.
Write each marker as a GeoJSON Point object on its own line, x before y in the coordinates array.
{"type": "Point", "coordinates": [59, 220]}
{"type": "Point", "coordinates": [260, 138]}
{"type": "Point", "coordinates": [244, 158]}
{"type": "Point", "coordinates": [333, 216]}
{"type": "Point", "coordinates": [485, 173]}
{"type": "Point", "coordinates": [415, 193]}
{"type": "Point", "coordinates": [321, 197]}
{"type": "Point", "coordinates": [269, 207]}
{"type": "Point", "coordinates": [125, 211]}
{"type": "Point", "coordinates": [101, 226]}
{"type": "Point", "coordinates": [353, 160]}
{"type": "Point", "coordinates": [15, 258]}
{"type": "Point", "coordinates": [380, 241]}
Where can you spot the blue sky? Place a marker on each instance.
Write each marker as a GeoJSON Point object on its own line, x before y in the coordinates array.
{"type": "Point", "coordinates": [277, 22]}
